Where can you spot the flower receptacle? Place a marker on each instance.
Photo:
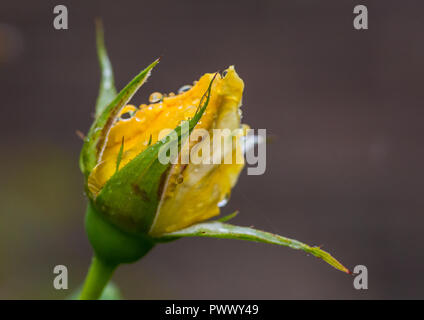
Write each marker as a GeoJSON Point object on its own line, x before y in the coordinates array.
{"type": "Point", "coordinates": [112, 245]}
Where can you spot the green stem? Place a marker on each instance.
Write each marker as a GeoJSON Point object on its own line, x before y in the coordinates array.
{"type": "Point", "coordinates": [97, 278]}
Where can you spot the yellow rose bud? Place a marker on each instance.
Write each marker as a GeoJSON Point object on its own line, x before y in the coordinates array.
{"type": "Point", "coordinates": [137, 200]}
{"type": "Point", "coordinates": [208, 184]}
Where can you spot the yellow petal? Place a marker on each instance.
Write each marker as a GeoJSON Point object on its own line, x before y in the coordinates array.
{"type": "Point", "coordinates": [146, 122]}
{"type": "Point", "coordinates": [194, 191]}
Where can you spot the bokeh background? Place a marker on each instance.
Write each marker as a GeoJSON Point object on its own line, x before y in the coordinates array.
{"type": "Point", "coordinates": [344, 109]}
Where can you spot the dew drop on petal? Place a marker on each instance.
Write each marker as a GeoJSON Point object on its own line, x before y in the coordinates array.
{"type": "Point", "coordinates": [140, 119]}
{"type": "Point", "coordinates": [155, 97]}
{"type": "Point", "coordinates": [180, 179]}
{"type": "Point", "coordinates": [224, 201]}
{"type": "Point", "coordinates": [184, 89]}
{"type": "Point", "coordinates": [126, 116]}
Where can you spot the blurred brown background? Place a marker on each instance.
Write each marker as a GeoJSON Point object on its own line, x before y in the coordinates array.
{"type": "Point", "coordinates": [344, 107]}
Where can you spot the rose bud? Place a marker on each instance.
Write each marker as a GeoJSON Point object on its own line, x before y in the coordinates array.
{"type": "Point", "coordinates": [136, 199]}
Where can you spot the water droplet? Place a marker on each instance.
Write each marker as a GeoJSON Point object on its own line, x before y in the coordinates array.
{"type": "Point", "coordinates": [223, 202]}
{"type": "Point", "coordinates": [171, 94]}
{"type": "Point", "coordinates": [140, 119]}
{"type": "Point", "coordinates": [184, 89]}
{"type": "Point", "coordinates": [155, 97]}
{"type": "Point", "coordinates": [126, 116]}
{"type": "Point", "coordinates": [180, 179]}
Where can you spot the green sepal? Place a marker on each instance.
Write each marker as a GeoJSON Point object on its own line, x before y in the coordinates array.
{"type": "Point", "coordinates": [112, 245]}
{"type": "Point", "coordinates": [130, 198]}
{"type": "Point", "coordinates": [107, 90]}
{"type": "Point", "coordinates": [95, 140]}
{"type": "Point", "coordinates": [221, 230]}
